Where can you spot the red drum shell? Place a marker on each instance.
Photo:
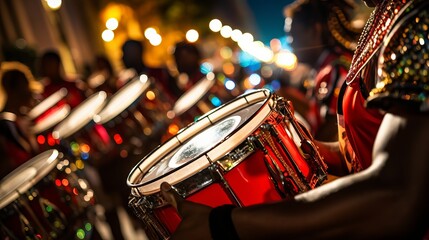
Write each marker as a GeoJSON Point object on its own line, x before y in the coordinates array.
{"type": "Point", "coordinates": [254, 160]}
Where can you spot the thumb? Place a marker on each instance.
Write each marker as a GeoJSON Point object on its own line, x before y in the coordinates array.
{"type": "Point", "coordinates": [171, 196]}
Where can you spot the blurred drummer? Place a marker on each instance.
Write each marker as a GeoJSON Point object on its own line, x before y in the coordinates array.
{"type": "Point", "coordinates": [17, 143]}
{"type": "Point", "coordinates": [103, 76]}
{"type": "Point", "coordinates": [188, 59]}
{"type": "Point", "coordinates": [132, 57]}
{"type": "Point", "coordinates": [323, 39]}
{"type": "Point", "coordinates": [54, 79]}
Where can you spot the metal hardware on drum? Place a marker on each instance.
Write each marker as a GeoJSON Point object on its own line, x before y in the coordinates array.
{"type": "Point", "coordinates": [45, 198]}
{"type": "Point", "coordinates": [309, 147]}
{"type": "Point", "coordinates": [243, 152]}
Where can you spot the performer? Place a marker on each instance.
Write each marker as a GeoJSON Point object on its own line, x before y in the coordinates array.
{"type": "Point", "coordinates": [17, 143]}
{"type": "Point", "coordinates": [188, 59]}
{"type": "Point", "coordinates": [324, 39]}
{"type": "Point", "coordinates": [384, 114]}
{"type": "Point", "coordinates": [53, 79]}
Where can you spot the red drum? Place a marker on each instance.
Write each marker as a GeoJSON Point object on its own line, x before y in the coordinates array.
{"type": "Point", "coordinates": [251, 150]}
{"type": "Point", "coordinates": [79, 134]}
{"type": "Point", "coordinates": [45, 198]}
{"type": "Point", "coordinates": [47, 105]}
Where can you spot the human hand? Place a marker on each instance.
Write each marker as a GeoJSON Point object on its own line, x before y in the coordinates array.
{"type": "Point", "coordinates": [195, 217]}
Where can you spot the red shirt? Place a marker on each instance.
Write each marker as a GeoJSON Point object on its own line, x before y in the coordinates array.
{"type": "Point", "coordinates": [358, 127]}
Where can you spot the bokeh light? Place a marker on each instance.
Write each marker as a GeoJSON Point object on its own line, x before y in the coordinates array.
{"type": "Point", "coordinates": [112, 24]}
{"type": "Point", "coordinates": [192, 35]}
{"type": "Point", "coordinates": [215, 25]}
{"type": "Point", "coordinates": [54, 4]}
{"type": "Point", "coordinates": [108, 35]}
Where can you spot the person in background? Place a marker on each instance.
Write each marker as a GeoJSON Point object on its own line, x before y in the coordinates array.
{"type": "Point", "coordinates": [17, 143]}
{"type": "Point", "coordinates": [132, 57]}
{"type": "Point", "coordinates": [103, 77]}
{"type": "Point", "coordinates": [187, 57]}
{"type": "Point", "coordinates": [53, 78]}
{"type": "Point", "coordinates": [324, 39]}
{"type": "Point", "coordinates": [383, 117]}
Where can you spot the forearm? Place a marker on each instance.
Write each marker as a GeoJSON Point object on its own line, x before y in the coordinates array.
{"type": "Point", "coordinates": [389, 199]}
{"type": "Point", "coordinates": [330, 151]}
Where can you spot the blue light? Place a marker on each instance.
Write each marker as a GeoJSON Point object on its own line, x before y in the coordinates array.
{"type": "Point", "coordinates": [206, 67]}
{"type": "Point", "coordinates": [215, 101]}
{"type": "Point", "coordinates": [275, 84]}
{"type": "Point", "coordinates": [84, 156]}
{"type": "Point", "coordinates": [229, 84]}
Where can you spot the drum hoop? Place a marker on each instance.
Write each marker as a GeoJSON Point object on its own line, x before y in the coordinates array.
{"type": "Point", "coordinates": [113, 109]}
{"type": "Point", "coordinates": [53, 119]}
{"type": "Point", "coordinates": [98, 98]}
{"type": "Point", "coordinates": [198, 91]}
{"type": "Point", "coordinates": [47, 103]}
{"type": "Point", "coordinates": [41, 164]}
{"type": "Point", "coordinates": [212, 155]}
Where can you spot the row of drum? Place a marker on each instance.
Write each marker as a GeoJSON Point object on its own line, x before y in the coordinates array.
{"type": "Point", "coordinates": [49, 196]}
{"type": "Point", "coordinates": [249, 150]}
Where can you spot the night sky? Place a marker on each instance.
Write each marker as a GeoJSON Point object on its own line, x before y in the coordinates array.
{"type": "Point", "coordinates": [269, 18]}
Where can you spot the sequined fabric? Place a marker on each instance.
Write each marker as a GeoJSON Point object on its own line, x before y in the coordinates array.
{"type": "Point", "coordinates": [403, 65]}
{"type": "Point", "coordinates": [377, 27]}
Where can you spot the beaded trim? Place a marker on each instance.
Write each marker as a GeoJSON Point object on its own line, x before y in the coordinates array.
{"type": "Point", "coordinates": [378, 25]}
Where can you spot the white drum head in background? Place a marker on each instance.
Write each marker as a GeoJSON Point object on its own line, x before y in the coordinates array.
{"type": "Point", "coordinates": [122, 99]}
{"type": "Point", "coordinates": [80, 116]}
{"type": "Point", "coordinates": [193, 95]}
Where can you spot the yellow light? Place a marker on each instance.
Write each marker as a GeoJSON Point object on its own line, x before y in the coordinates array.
{"type": "Point", "coordinates": [226, 31]}
{"type": "Point", "coordinates": [192, 35]}
{"type": "Point", "coordinates": [246, 37]}
{"type": "Point", "coordinates": [155, 40]}
{"type": "Point", "coordinates": [150, 95]}
{"type": "Point", "coordinates": [173, 129]}
{"type": "Point", "coordinates": [54, 4]}
{"type": "Point", "coordinates": [286, 60]}
{"type": "Point", "coordinates": [225, 52]}
{"type": "Point", "coordinates": [112, 24]}
{"type": "Point", "coordinates": [236, 34]}
{"type": "Point", "coordinates": [215, 25]}
{"type": "Point", "coordinates": [107, 35]}
{"type": "Point", "coordinates": [150, 32]}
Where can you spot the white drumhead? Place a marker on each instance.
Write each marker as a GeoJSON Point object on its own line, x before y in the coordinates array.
{"type": "Point", "coordinates": [122, 99]}
{"type": "Point", "coordinates": [51, 119]}
{"type": "Point", "coordinates": [193, 95]}
{"type": "Point", "coordinates": [203, 142]}
{"type": "Point", "coordinates": [47, 103]}
{"type": "Point", "coordinates": [80, 116]}
{"type": "Point", "coordinates": [27, 175]}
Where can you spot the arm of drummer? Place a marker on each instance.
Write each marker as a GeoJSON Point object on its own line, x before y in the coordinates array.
{"type": "Point", "coordinates": [389, 199]}
{"type": "Point", "coordinates": [332, 156]}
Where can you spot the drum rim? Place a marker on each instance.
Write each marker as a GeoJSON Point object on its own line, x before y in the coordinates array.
{"type": "Point", "coordinates": [200, 84]}
{"type": "Point", "coordinates": [53, 119]}
{"type": "Point", "coordinates": [48, 160]}
{"type": "Point", "coordinates": [103, 117]}
{"type": "Point", "coordinates": [98, 96]}
{"type": "Point", "coordinates": [47, 103]}
{"type": "Point", "coordinates": [137, 171]}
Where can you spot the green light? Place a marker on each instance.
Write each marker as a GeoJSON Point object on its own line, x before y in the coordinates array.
{"type": "Point", "coordinates": [48, 209]}
{"type": "Point", "coordinates": [80, 234]}
{"type": "Point", "coordinates": [74, 147]}
{"type": "Point", "coordinates": [88, 226]}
